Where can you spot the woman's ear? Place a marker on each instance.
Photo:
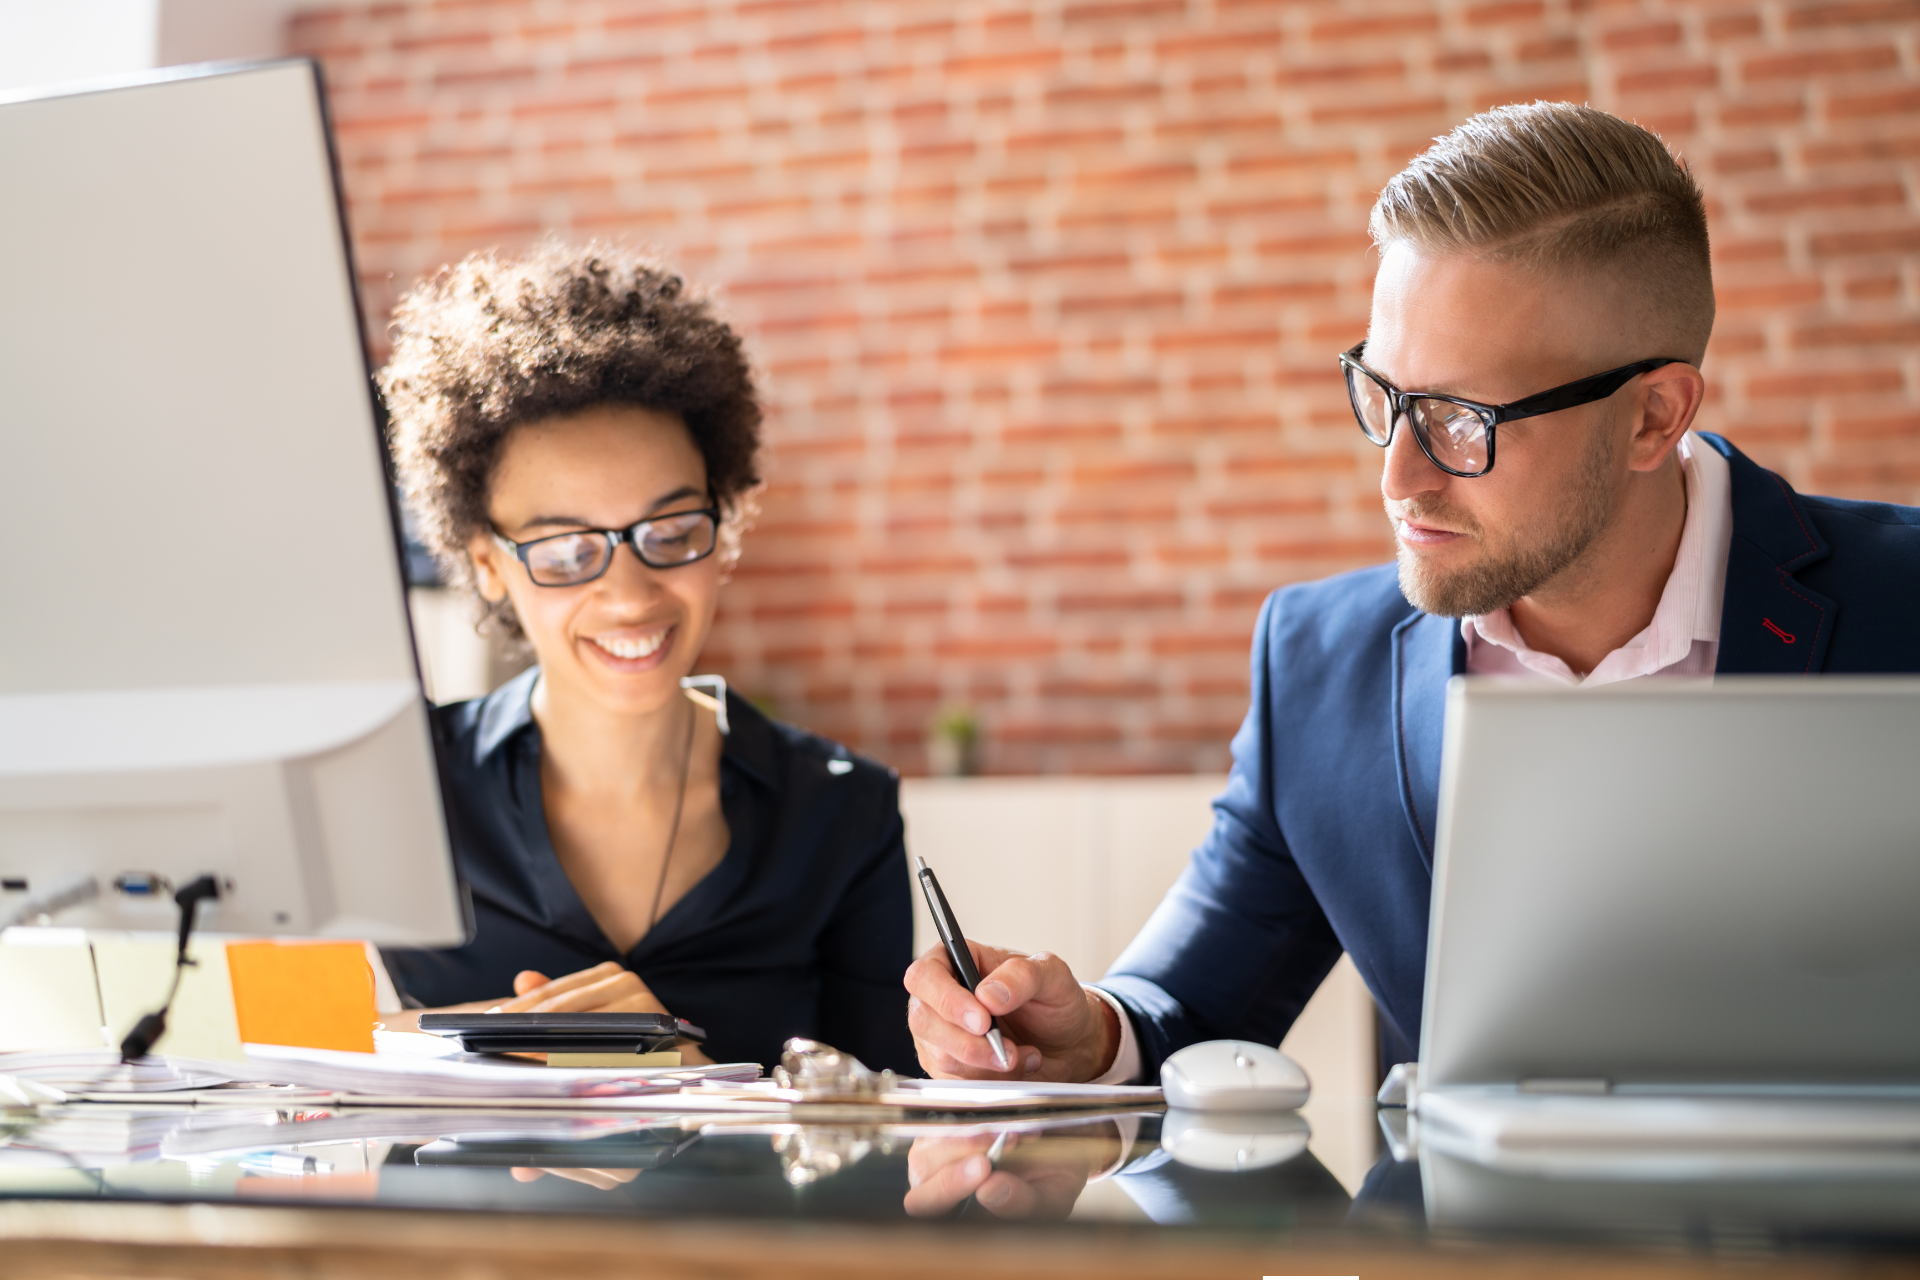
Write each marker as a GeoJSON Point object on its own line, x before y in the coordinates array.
{"type": "Point", "coordinates": [485, 554]}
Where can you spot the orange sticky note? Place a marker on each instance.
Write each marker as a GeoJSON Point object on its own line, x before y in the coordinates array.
{"type": "Point", "coordinates": [316, 995]}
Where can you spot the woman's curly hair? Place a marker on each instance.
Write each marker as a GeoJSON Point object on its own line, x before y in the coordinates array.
{"type": "Point", "coordinates": [485, 346]}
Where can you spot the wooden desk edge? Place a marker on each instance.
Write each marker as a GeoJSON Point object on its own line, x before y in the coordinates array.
{"type": "Point", "coordinates": [81, 1240]}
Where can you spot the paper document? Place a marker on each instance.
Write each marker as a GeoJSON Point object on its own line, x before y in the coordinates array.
{"type": "Point", "coordinates": [101, 1071]}
{"type": "Point", "coordinates": [397, 1072]}
{"type": "Point", "coordinates": [959, 1095]}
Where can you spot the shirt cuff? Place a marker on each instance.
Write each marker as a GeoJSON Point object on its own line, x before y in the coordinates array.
{"type": "Point", "coordinates": [1126, 1068]}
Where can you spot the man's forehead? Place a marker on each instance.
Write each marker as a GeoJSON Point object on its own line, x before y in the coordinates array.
{"type": "Point", "coordinates": [1478, 329]}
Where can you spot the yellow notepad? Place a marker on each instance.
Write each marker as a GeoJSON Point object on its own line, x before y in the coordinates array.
{"type": "Point", "coordinates": [666, 1058]}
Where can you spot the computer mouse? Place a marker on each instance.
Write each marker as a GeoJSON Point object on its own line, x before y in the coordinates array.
{"type": "Point", "coordinates": [1233, 1075]}
{"type": "Point", "coordinates": [1221, 1142]}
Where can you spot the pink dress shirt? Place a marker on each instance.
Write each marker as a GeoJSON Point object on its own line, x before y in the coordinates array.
{"type": "Point", "coordinates": [1682, 640]}
{"type": "Point", "coordinates": [1684, 637]}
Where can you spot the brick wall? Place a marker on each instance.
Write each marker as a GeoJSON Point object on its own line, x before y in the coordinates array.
{"type": "Point", "coordinates": [1047, 295]}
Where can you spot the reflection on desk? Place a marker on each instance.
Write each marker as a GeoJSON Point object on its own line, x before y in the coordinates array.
{"type": "Point", "coordinates": [1073, 1177]}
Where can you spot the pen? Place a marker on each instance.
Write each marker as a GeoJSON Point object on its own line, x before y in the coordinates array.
{"type": "Point", "coordinates": [957, 952]}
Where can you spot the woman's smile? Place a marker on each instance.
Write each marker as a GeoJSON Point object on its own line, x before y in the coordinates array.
{"type": "Point", "coordinates": [632, 649]}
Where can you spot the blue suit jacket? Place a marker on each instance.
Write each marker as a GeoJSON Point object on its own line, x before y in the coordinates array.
{"type": "Point", "coordinates": [1323, 840]}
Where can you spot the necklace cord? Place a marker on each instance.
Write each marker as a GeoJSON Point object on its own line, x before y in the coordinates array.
{"type": "Point", "coordinates": [679, 804]}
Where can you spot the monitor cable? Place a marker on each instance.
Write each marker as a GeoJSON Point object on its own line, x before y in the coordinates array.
{"type": "Point", "coordinates": [147, 1032]}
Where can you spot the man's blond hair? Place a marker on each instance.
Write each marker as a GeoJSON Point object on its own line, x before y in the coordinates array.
{"type": "Point", "coordinates": [1565, 188]}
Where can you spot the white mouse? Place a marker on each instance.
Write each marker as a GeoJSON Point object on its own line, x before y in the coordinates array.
{"type": "Point", "coordinates": [1233, 1075]}
{"type": "Point", "coordinates": [1223, 1143]}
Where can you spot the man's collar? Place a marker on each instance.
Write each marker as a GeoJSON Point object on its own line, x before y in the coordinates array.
{"type": "Point", "coordinates": [752, 746]}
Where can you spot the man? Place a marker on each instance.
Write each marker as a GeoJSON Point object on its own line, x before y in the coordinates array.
{"type": "Point", "coordinates": [1544, 287]}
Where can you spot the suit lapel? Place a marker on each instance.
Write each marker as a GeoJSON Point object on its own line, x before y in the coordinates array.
{"type": "Point", "coordinates": [1427, 651]}
{"type": "Point", "coordinates": [1769, 623]}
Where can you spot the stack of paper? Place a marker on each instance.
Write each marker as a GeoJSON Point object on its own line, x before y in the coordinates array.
{"type": "Point", "coordinates": [231, 1131]}
{"type": "Point", "coordinates": [395, 1073]}
{"type": "Point", "coordinates": [99, 1137]}
{"type": "Point", "coordinates": [101, 1071]}
{"type": "Point", "coordinates": [955, 1095]}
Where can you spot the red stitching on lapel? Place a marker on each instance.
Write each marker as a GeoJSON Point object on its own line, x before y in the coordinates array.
{"type": "Point", "coordinates": [1794, 507]}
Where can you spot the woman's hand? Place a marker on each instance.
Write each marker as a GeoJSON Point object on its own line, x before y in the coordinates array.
{"type": "Point", "coordinates": [605, 988]}
{"type": "Point", "coordinates": [598, 1179]}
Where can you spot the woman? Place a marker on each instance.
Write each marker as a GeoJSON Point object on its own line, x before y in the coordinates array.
{"type": "Point", "coordinates": [577, 434]}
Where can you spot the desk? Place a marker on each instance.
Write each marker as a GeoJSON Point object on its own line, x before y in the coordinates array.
{"type": "Point", "coordinates": [447, 1196]}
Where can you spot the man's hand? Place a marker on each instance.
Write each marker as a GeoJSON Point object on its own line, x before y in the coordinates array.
{"type": "Point", "coordinates": [605, 988]}
{"type": "Point", "coordinates": [1039, 1177]}
{"type": "Point", "coordinates": [1054, 1028]}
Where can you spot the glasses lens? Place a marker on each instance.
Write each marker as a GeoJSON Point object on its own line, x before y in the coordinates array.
{"type": "Point", "coordinates": [674, 540]}
{"type": "Point", "coordinates": [1455, 435]}
{"type": "Point", "coordinates": [1370, 406]}
{"type": "Point", "coordinates": [567, 559]}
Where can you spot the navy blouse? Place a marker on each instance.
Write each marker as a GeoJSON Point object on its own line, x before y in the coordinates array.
{"type": "Point", "coordinates": [804, 928]}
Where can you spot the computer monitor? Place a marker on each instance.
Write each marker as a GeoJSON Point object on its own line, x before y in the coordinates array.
{"type": "Point", "coordinates": [206, 664]}
{"type": "Point", "coordinates": [1672, 886]}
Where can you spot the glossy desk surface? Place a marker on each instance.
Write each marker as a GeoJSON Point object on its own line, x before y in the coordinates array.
{"type": "Point", "coordinates": [98, 1190]}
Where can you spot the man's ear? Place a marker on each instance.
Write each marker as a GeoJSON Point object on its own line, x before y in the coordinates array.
{"type": "Point", "coordinates": [1669, 401]}
{"type": "Point", "coordinates": [486, 555]}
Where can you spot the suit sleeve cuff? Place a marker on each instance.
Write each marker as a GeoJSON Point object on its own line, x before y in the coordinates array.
{"type": "Point", "coordinates": [1126, 1067]}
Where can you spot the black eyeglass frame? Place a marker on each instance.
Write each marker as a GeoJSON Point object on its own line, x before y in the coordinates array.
{"type": "Point", "coordinates": [630, 535]}
{"type": "Point", "coordinates": [1566, 396]}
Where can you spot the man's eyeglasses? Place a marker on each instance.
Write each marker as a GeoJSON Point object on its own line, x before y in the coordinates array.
{"type": "Point", "coordinates": [661, 542]}
{"type": "Point", "coordinates": [1455, 434]}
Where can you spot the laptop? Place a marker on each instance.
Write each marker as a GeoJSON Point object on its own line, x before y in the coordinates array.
{"type": "Point", "coordinates": [1679, 916]}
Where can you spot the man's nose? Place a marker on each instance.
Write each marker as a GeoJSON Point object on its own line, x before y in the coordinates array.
{"type": "Point", "coordinates": [1407, 472]}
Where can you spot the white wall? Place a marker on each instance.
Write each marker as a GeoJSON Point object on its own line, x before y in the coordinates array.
{"type": "Point", "coordinates": [52, 41]}
{"type": "Point", "coordinates": [1076, 865]}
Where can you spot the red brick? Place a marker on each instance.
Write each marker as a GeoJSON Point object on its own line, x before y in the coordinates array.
{"type": "Point", "coordinates": [1129, 11]}
{"type": "Point", "coordinates": [1748, 161]}
{"type": "Point", "coordinates": [1820, 62]}
{"type": "Point", "coordinates": [1858, 334]}
{"type": "Point", "coordinates": [1698, 75]}
{"type": "Point", "coordinates": [1781, 293]}
{"type": "Point", "coordinates": [1874, 287]}
{"type": "Point", "coordinates": [1859, 196]}
{"type": "Point", "coordinates": [1861, 150]}
{"type": "Point", "coordinates": [1391, 109]}
{"type": "Point", "coordinates": [1411, 22]}
{"type": "Point", "coordinates": [1503, 11]}
{"type": "Point", "coordinates": [1646, 36]}
{"type": "Point", "coordinates": [1731, 26]}
{"type": "Point", "coordinates": [1825, 382]}
{"type": "Point", "coordinates": [1848, 243]}
{"type": "Point", "coordinates": [1850, 13]}
{"type": "Point", "coordinates": [1887, 102]}
{"type": "Point", "coordinates": [1848, 427]}
{"type": "Point", "coordinates": [1754, 113]}
{"type": "Point", "coordinates": [1548, 49]}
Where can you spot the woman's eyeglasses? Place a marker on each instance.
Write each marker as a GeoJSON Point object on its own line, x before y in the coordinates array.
{"type": "Point", "coordinates": [661, 542]}
{"type": "Point", "coordinates": [1455, 434]}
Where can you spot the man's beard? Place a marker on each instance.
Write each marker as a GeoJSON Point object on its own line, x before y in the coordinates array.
{"type": "Point", "coordinates": [1499, 576]}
